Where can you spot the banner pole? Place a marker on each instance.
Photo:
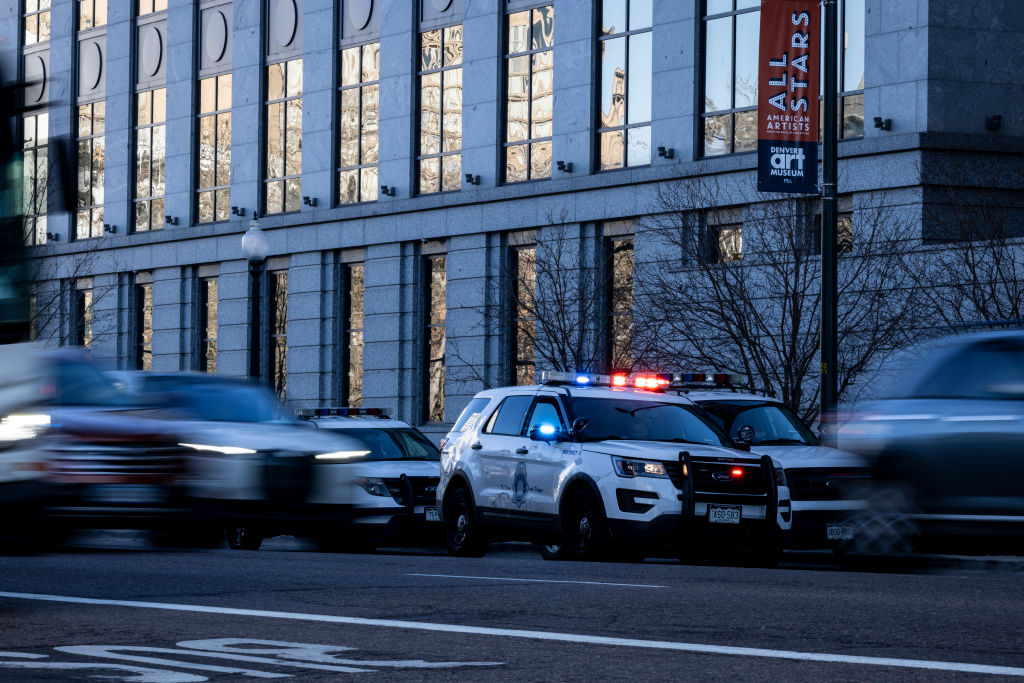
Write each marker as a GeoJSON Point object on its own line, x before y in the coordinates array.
{"type": "Point", "coordinates": [829, 218]}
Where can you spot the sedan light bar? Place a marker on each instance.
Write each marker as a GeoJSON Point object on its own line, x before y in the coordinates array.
{"type": "Point", "coordinates": [308, 413]}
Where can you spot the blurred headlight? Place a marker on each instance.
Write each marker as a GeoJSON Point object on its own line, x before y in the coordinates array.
{"type": "Point", "coordinates": [629, 467]}
{"type": "Point", "coordinates": [223, 450]}
{"type": "Point", "coordinates": [341, 455]}
{"type": "Point", "coordinates": [375, 487]}
{"type": "Point", "coordinates": [22, 427]}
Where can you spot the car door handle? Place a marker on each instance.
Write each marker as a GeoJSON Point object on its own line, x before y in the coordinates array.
{"type": "Point", "coordinates": [477, 446]}
{"type": "Point", "coordinates": [522, 450]}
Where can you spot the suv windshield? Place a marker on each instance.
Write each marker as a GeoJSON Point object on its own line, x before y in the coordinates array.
{"type": "Point", "coordinates": [395, 444]}
{"type": "Point", "coordinates": [774, 424]}
{"type": "Point", "coordinates": [644, 421]}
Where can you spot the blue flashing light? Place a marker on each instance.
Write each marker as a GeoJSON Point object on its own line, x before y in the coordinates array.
{"type": "Point", "coordinates": [546, 429]}
{"type": "Point", "coordinates": [582, 379]}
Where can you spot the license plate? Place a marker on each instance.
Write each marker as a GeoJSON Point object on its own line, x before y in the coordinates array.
{"type": "Point", "coordinates": [125, 493]}
{"type": "Point", "coordinates": [839, 532]}
{"type": "Point", "coordinates": [431, 514]}
{"type": "Point", "coordinates": [724, 514]}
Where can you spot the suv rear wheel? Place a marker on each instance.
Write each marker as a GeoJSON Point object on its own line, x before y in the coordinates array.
{"type": "Point", "coordinates": [462, 532]}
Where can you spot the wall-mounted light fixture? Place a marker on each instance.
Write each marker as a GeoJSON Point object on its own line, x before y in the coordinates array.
{"type": "Point", "coordinates": [993, 122]}
{"type": "Point", "coordinates": [564, 166]}
{"type": "Point", "coordinates": [108, 227]}
{"type": "Point", "coordinates": [52, 237]}
{"type": "Point", "coordinates": [171, 220]}
{"type": "Point", "coordinates": [309, 201]}
{"type": "Point", "coordinates": [666, 153]}
{"type": "Point", "coordinates": [884, 124]}
{"type": "Point", "coordinates": [387, 191]}
{"type": "Point", "coordinates": [238, 211]}
{"type": "Point", "coordinates": [472, 179]}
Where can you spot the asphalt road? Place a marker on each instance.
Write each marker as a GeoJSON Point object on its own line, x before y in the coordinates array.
{"type": "Point", "coordinates": [128, 613]}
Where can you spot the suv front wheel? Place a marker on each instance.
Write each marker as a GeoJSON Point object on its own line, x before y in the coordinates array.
{"type": "Point", "coordinates": [462, 532]}
{"type": "Point", "coordinates": [586, 537]}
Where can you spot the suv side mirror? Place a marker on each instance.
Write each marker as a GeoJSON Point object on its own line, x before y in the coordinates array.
{"type": "Point", "coordinates": [744, 437]}
{"type": "Point", "coordinates": [545, 432]}
{"type": "Point", "coordinates": [578, 425]}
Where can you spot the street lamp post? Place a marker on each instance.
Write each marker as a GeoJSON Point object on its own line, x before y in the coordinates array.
{"type": "Point", "coordinates": [255, 248]}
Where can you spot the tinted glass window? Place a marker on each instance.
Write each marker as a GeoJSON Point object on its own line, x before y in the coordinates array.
{"type": "Point", "coordinates": [545, 412]}
{"type": "Point", "coordinates": [644, 421]}
{"type": "Point", "coordinates": [80, 384]}
{"type": "Point", "coordinates": [220, 401]}
{"type": "Point", "coordinates": [414, 445]}
{"type": "Point", "coordinates": [987, 370]}
{"type": "Point", "coordinates": [470, 414]}
{"type": "Point", "coordinates": [510, 415]}
{"type": "Point", "coordinates": [773, 424]}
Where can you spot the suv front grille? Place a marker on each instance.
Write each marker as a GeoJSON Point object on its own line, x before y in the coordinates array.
{"type": "Point", "coordinates": [130, 463]}
{"type": "Point", "coordinates": [750, 483]}
{"type": "Point", "coordinates": [424, 489]}
{"type": "Point", "coordinates": [825, 483]}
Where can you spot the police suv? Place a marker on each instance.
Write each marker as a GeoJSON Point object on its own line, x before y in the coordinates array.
{"type": "Point", "coordinates": [826, 485]}
{"type": "Point", "coordinates": [592, 465]}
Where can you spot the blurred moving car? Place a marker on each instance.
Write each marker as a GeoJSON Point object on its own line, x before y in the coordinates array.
{"type": "Point", "coordinates": [107, 462]}
{"type": "Point", "coordinates": [22, 486]}
{"type": "Point", "coordinates": [395, 484]}
{"type": "Point", "coordinates": [826, 485]}
{"type": "Point", "coordinates": [253, 468]}
{"type": "Point", "coordinates": [947, 448]}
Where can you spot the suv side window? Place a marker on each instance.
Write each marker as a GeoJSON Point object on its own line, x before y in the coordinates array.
{"type": "Point", "coordinates": [973, 373]}
{"type": "Point", "coordinates": [545, 411]}
{"type": "Point", "coordinates": [508, 418]}
{"type": "Point", "coordinates": [470, 414]}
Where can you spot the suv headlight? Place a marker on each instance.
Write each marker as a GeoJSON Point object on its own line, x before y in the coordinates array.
{"type": "Point", "coordinates": [373, 486]}
{"type": "Point", "coordinates": [631, 467]}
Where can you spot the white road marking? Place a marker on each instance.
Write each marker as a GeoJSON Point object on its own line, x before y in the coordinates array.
{"type": "Point", "coordinates": [308, 652]}
{"type": "Point", "coordinates": [538, 635]}
{"type": "Point", "coordinates": [503, 578]}
{"type": "Point", "coordinates": [113, 652]}
{"type": "Point", "coordinates": [140, 674]}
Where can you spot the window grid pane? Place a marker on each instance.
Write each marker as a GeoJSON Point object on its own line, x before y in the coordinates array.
{"type": "Point", "coordinates": [91, 139]}
{"type": "Point", "coordinates": [283, 161]}
{"type": "Point", "coordinates": [352, 335]}
{"type": "Point", "coordinates": [435, 301]}
{"type": "Point", "coordinates": [624, 50]}
{"type": "Point", "coordinates": [529, 87]}
{"type": "Point", "coordinates": [440, 111]}
{"type": "Point", "coordinates": [214, 152]}
{"type": "Point", "coordinates": [208, 325]}
{"type": "Point", "coordinates": [150, 157]}
{"type": "Point", "coordinates": [523, 273]}
{"type": "Point", "coordinates": [144, 327]}
{"type": "Point", "coordinates": [359, 123]}
{"type": "Point", "coordinates": [278, 332]}
{"type": "Point", "coordinates": [619, 292]}
{"type": "Point", "coordinates": [35, 171]}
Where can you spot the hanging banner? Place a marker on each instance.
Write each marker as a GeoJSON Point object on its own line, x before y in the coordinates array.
{"type": "Point", "coordinates": [788, 70]}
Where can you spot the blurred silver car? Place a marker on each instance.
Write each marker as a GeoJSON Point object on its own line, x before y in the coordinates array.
{"type": "Point", "coordinates": [252, 467]}
{"type": "Point", "coordinates": [947, 446]}
{"type": "Point", "coordinates": [396, 482]}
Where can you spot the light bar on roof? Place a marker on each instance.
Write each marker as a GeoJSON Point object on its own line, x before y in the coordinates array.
{"type": "Point", "coordinates": [342, 412]}
{"type": "Point", "coordinates": [648, 381]}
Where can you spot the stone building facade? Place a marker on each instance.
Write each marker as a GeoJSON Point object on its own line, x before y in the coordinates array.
{"type": "Point", "coordinates": [487, 121]}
